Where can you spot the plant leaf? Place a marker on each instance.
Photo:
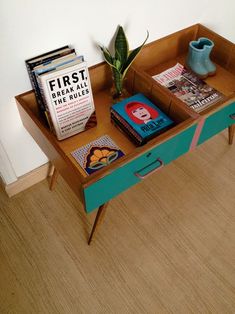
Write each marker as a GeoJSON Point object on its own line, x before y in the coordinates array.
{"type": "Point", "coordinates": [107, 55]}
{"type": "Point", "coordinates": [132, 56]}
{"type": "Point", "coordinates": [121, 46]}
{"type": "Point", "coordinates": [118, 80]}
{"type": "Point", "coordinates": [117, 64]}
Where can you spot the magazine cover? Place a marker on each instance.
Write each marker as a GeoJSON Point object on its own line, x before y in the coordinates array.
{"type": "Point", "coordinates": [188, 87]}
{"type": "Point", "coordinates": [67, 93]}
{"type": "Point", "coordinates": [97, 154]}
{"type": "Point", "coordinates": [142, 115]}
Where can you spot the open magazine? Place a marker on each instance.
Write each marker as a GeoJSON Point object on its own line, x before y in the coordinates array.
{"type": "Point", "coordinates": [185, 85]}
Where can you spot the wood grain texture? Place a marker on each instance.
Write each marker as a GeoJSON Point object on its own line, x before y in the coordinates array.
{"type": "Point", "coordinates": [165, 52]}
{"type": "Point", "coordinates": [231, 131]}
{"type": "Point", "coordinates": [98, 219]}
{"type": "Point", "coordinates": [166, 245]}
{"type": "Point", "coordinates": [53, 178]}
{"type": "Point", "coordinates": [59, 152]}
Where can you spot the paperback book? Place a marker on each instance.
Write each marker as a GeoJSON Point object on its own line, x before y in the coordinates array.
{"type": "Point", "coordinates": [185, 85]}
{"type": "Point", "coordinates": [68, 99]}
{"type": "Point", "coordinates": [97, 154]}
{"type": "Point", "coordinates": [44, 59]}
{"type": "Point", "coordinates": [126, 128]}
{"type": "Point", "coordinates": [140, 118]}
{"type": "Point", "coordinates": [55, 64]}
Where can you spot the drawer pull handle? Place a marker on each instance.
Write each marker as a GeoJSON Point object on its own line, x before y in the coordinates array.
{"type": "Point", "coordinates": [232, 116]}
{"type": "Point", "coordinates": [158, 161]}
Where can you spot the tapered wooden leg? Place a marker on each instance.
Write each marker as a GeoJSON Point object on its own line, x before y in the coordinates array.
{"type": "Point", "coordinates": [231, 131]}
{"type": "Point", "coordinates": [99, 217]}
{"type": "Point", "coordinates": [53, 179]}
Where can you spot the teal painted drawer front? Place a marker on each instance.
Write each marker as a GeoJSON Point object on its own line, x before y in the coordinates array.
{"type": "Point", "coordinates": [129, 174]}
{"type": "Point", "coordinates": [217, 122]}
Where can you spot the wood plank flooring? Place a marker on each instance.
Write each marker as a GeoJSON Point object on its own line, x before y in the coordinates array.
{"type": "Point", "coordinates": [166, 245]}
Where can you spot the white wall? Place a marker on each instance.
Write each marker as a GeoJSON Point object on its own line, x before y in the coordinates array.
{"type": "Point", "coordinates": [31, 27]}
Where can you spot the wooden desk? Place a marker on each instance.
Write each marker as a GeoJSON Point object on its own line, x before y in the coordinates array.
{"type": "Point", "coordinates": [190, 128]}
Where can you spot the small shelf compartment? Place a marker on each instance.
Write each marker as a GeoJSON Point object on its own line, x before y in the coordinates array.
{"type": "Point", "coordinates": [164, 53]}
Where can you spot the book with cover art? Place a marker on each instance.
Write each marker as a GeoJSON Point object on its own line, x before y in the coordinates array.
{"type": "Point", "coordinates": [67, 94]}
{"type": "Point", "coordinates": [97, 154]}
{"type": "Point", "coordinates": [44, 58]}
{"type": "Point", "coordinates": [185, 85]}
{"type": "Point", "coordinates": [126, 128]}
{"type": "Point", "coordinates": [138, 116]}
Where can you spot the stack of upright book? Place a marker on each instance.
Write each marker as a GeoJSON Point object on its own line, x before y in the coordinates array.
{"type": "Point", "coordinates": [61, 82]}
{"type": "Point", "coordinates": [139, 118]}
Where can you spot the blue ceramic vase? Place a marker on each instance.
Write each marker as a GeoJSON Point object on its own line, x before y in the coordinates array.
{"type": "Point", "coordinates": [198, 59]}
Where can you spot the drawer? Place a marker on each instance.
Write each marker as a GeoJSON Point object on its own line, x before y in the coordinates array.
{"type": "Point", "coordinates": [217, 122]}
{"type": "Point", "coordinates": [98, 188]}
{"type": "Point", "coordinates": [134, 171]}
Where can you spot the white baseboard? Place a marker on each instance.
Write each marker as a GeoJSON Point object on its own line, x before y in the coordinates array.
{"type": "Point", "coordinates": [6, 170]}
{"type": "Point", "coordinates": [29, 179]}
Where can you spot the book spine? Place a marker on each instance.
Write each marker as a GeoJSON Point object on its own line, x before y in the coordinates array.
{"type": "Point", "coordinates": [55, 64]}
{"type": "Point", "coordinates": [118, 124]}
{"type": "Point", "coordinates": [130, 131]}
{"type": "Point", "coordinates": [50, 52]}
{"type": "Point", "coordinates": [127, 126]}
{"type": "Point", "coordinates": [46, 109]}
{"type": "Point", "coordinates": [47, 60]}
{"type": "Point", "coordinates": [35, 87]}
{"type": "Point", "coordinates": [32, 76]}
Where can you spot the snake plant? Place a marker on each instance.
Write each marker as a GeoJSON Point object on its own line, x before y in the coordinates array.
{"type": "Point", "coordinates": [122, 58]}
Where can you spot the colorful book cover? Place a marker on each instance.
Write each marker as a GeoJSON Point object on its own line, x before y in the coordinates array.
{"type": "Point", "coordinates": [97, 154]}
{"type": "Point", "coordinates": [185, 85]}
{"type": "Point", "coordinates": [142, 115]}
{"type": "Point", "coordinates": [68, 97]}
{"type": "Point", "coordinates": [36, 61]}
{"type": "Point", "coordinates": [126, 128]}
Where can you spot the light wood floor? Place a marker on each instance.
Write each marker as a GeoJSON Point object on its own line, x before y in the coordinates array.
{"type": "Point", "coordinates": [166, 245]}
